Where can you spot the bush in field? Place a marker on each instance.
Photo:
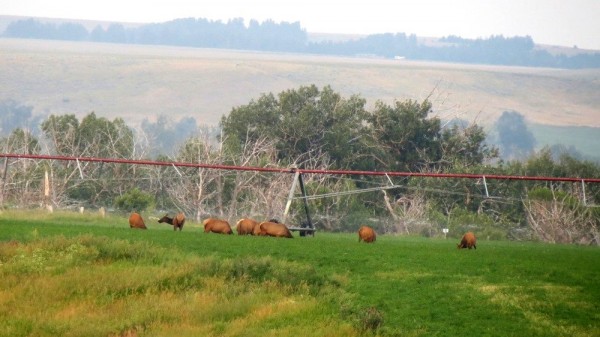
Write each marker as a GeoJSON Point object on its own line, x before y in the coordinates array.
{"type": "Point", "coordinates": [461, 221]}
{"type": "Point", "coordinates": [559, 217]}
{"type": "Point", "coordinates": [134, 200]}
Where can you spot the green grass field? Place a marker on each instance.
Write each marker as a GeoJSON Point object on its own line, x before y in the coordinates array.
{"type": "Point", "coordinates": [82, 275]}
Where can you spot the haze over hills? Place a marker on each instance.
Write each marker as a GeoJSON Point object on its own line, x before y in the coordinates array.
{"type": "Point", "coordinates": [118, 80]}
{"type": "Point", "coordinates": [141, 81]}
{"type": "Point", "coordinates": [291, 37]}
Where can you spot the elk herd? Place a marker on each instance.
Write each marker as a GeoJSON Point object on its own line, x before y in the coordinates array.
{"type": "Point", "coordinates": [267, 228]}
{"type": "Point", "coordinates": [214, 225]}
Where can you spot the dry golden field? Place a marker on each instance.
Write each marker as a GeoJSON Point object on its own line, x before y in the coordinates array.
{"type": "Point", "coordinates": [137, 82]}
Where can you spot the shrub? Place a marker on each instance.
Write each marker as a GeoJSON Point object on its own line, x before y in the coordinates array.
{"type": "Point", "coordinates": [134, 200]}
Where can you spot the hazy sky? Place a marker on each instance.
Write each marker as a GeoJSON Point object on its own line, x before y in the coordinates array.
{"type": "Point", "coordinates": [557, 22]}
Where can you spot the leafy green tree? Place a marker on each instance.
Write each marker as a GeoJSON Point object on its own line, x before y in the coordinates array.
{"type": "Point", "coordinates": [134, 200]}
{"type": "Point", "coordinates": [406, 139]}
{"type": "Point", "coordinates": [93, 137]}
{"type": "Point", "coordinates": [305, 123]}
{"type": "Point", "coordinates": [62, 132]}
{"type": "Point", "coordinates": [99, 137]}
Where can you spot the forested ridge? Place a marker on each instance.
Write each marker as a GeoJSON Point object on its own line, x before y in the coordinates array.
{"type": "Point", "coordinates": [291, 37]}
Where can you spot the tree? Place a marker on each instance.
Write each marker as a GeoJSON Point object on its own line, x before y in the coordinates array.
{"type": "Point", "coordinates": [62, 132]}
{"type": "Point", "coordinates": [304, 123]}
{"type": "Point", "coordinates": [405, 139]}
{"type": "Point", "coordinates": [99, 137]}
{"type": "Point", "coordinates": [20, 181]}
{"type": "Point", "coordinates": [134, 201]}
{"type": "Point", "coordinates": [464, 146]}
{"type": "Point", "coordinates": [196, 191]}
{"type": "Point", "coordinates": [20, 141]}
{"type": "Point", "coordinates": [92, 137]}
{"type": "Point", "coordinates": [516, 141]}
{"type": "Point", "coordinates": [558, 217]}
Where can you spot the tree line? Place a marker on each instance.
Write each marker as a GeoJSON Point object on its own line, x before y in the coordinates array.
{"type": "Point", "coordinates": [291, 37]}
{"type": "Point", "coordinates": [311, 128]}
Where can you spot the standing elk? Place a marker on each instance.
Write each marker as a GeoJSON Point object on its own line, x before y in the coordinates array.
{"type": "Point", "coordinates": [217, 226]}
{"type": "Point", "coordinates": [177, 221]}
{"type": "Point", "coordinates": [366, 234]}
{"type": "Point", "coordinates": [136, 221]}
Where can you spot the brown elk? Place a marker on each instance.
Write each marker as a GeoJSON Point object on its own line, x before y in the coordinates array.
{"type": "Point", "coordinates": [246, 226]}
{"type": "Point", "coordinates": [275, 229]}
{"type": "Point", "coordinates": [468, 241]}
{"type": "Point", "coordinates": [177, 221]}
{"type": "Point", "coordinates": [366, 234]}
{"type": "Point", "coordinates": [215, 225]}
{"type": "Point", "coordinates": [136, 221]}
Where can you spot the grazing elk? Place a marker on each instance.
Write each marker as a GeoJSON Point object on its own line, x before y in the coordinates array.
{"type": "Point", "coordinates": [217, 226]}
{"type": "Point", "coordinates": [275, 229]}
{"type": "Point", "coordinates": [177, 221]}
{"type": "Point", "coordinates": [136, 221]}
{"type": "Point", "coordinates": [366, 234]}
{"type": "Point", "coordinates": [468, 241]}
{"type": "Point", "coordinates": [246, 226]}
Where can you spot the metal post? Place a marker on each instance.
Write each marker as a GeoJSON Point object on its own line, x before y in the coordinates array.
{"type": "Point", "coordinates": [583, 191]}
{"type": "Point", "coordinates": [176, 170]}
{"type": "Point", "coordinates": [290, 196]}
{"type": "Point", "coordinates": [487, 195]}
{"type": "Point", "coordinates": [308, 219]}
{"type": "Point", "coordinates": [79, 167]}
{"type": "Point", "coordinates": [3, 181]}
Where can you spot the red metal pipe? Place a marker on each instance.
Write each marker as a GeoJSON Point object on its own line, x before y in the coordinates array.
{"type": "Point", "coordinates": [292, 170]}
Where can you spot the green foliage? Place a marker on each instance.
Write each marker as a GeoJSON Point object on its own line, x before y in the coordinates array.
{"type": "Point", "coordinates": [93, 137]}
{"type": "Point", "coordinates": [134, 200]}
{"type": "Point", "coordinates": [407, 140]}
{"type": "Point", "coordinates": [103, 138]}
{"type": "Point", "coordinates": [314, 128]}
{"type": "Point", "coordinates": [546, 194]}
{"type": "Point", "coordinates": [304, 123]}
{"type": "Point", "coordinates": [62, 131]}
{"type": "Point", "coordinates": [312, 122]}
{"type": "Point", "coordinates": [482, 225]}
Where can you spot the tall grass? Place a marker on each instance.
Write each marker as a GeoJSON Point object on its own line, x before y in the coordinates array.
{"type": "Point", "coordinates": [96, 286]}
{"type": "Point", "coordinates": [75, 277]}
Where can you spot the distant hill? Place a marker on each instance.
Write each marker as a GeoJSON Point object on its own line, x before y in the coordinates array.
{"type": "Point", "coordinates": [5, 20]}
{"type": "Point", "coordinates": [138, 81]}
{"type": "Point", "coordinates": [270, 36]}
